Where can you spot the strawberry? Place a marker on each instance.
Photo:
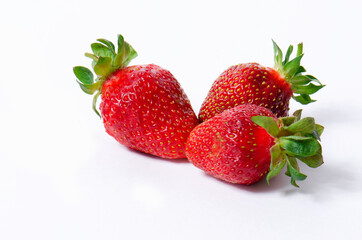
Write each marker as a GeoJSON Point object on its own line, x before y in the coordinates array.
{"type": "Point", "coordinates": [268, 87]}
{"type": "Point", "coordinates": [143, 106]}
{"type": "Point", "coordinates": [243, 144]}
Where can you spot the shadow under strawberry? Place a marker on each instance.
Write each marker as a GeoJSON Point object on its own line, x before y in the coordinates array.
{"type": "Point", "coordinates": [276, 184]}
{"type": "Point", "coordinates": [153, 157]}
{"type": "Point", "coordinates": [334, 179]}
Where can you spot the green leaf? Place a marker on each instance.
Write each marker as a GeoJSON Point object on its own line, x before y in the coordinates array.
{"type": "Point", "coordinates": [90, 88]}
{"type": "Point", "coordinates": [319, 128]}
{"type": "Point", "coordinates": [295, 174]}
{"type": "Point", "coordinates": [131, 55]}
{"type": "Point", "coordinates": [122, 52]}
{"type": "Point", "coordinates": [298, 114]}
{"type": "Point", "coordinates": [293, 73]}
{"type": "Point", "coordinates": [108, 43]}
{"type": "Point", "coordinates": [101, 50]}
{"type": "Point", "coordinates": [293, 171]}
{"type": "Point", "coordinates": [104, 62]}
{"type": "Point", "coordinates": [292, 67]}
{"type": "Point", "coordinates": [286, 121]}
{"type": "Point", "coordinates": [287, 54]}
{"type": "Point", "coordinates": [91, 56]}
{"type": "Point", "coordinates": [120, 42]}
{"type": "Point", "coordinates": [287, 173]}
{"type": "Point", "coordinates": [293, 162]}
{"type": "Point", "coordinates": [308, 89]}
{"type": "Point", "coordinates": [300, 80]}
{"type": "Point", "coordinates": [314, 134]}
{"type": "Point", "coordinates": [83, 74]}
{"type": "Point", "coordinates": [303, 99]}
{"type": "Point", "coordinates": [314, 79]}
{"type": "Point", "coordinates": [304, 126]}
{"type": "Point", "coordinates": [125, 52]}
{"type": "Point", "coordinates": [313, 161]}
{"type": "Point", "coordinates": [94, 62]}
{"type": "Point", "coordinates": [276, 170]}
{"type": "Point", "coordinates": [278, 55]}
{"type": "Point", "coordinates": [300, 49]}
{"type": "Point", "coordinates": [103, 66]}
{"type": "Point", "coordinates": [94, 105]}
{"type": "Point", "coordinates": [277, 162]}
{"type": "Point", "coordinates": [276, 155]}
{"type": "Point", "coordinates": [268, 123]}
{"type": "Point", "coordinates": [299, 146]}
{"type": "Point", "coordinates": [292, 181]}
{"type": "Point", "coordinates": [300, 70]}
{"type": "Point", "coordinates": [317, 131]}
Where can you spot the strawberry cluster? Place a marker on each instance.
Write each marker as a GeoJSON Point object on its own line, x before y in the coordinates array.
{"type": "Point", "coordinates": [243, 131]}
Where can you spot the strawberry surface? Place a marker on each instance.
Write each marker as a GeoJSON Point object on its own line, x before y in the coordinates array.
{"type": "Point", "coordinates": [248, 83]}
{"type": "Point", "coordinates": [244, 143]}
{"type": "Point", "coordinates": [231, 147]}
{"type": "Point", "coordinates": [145, 108]}
{"type": "Point", "coordinates": [251, 83]}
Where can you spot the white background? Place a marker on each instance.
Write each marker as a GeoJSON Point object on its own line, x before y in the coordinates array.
{"type": "Point", "coordinates": [62, 177]}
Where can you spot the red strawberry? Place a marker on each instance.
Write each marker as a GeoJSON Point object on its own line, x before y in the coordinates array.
{"type": "Point", "coordinates": [252, 83]}
{"type": "Point", "coordinates": [143, 106]}
{"type": "Point", "coordinates": [242, 144]}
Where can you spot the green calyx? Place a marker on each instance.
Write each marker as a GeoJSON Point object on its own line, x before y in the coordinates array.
{"type": "Point", "coordinates": [296, 139]}
{"type": "Point", "coordinates": [106, 60]}
{"type": "Point", "coordinates": [301, 84]}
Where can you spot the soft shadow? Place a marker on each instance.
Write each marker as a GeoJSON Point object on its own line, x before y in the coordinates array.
{"type": "Point", "coordinates": [326, 182]}
{"type": "Point", "coordinates": [322, 183]}
{"type": "Point", "coordinates": [276, 183]}
{"type": "Point", "coordinates": [149, 156]}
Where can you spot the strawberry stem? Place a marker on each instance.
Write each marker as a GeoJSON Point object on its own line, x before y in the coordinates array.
{"type": "Point", "coordinates": [296, 139]}
{"type": "Point", "coordinates": [91, 56]}
{"type": "Point", "coordinates": [106, 60]}
{"type": "Point", "coordinates": [293, 73]}
{"type": "Point", "coordinates": [94, 105]}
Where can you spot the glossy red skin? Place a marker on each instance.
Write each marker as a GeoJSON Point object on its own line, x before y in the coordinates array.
{"type": "Point", "coordinates": [248, 83]}
{"type": "Point", "coordinates": [231, 147]}
{"type": "Point", "coordinates": [145, 108]}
